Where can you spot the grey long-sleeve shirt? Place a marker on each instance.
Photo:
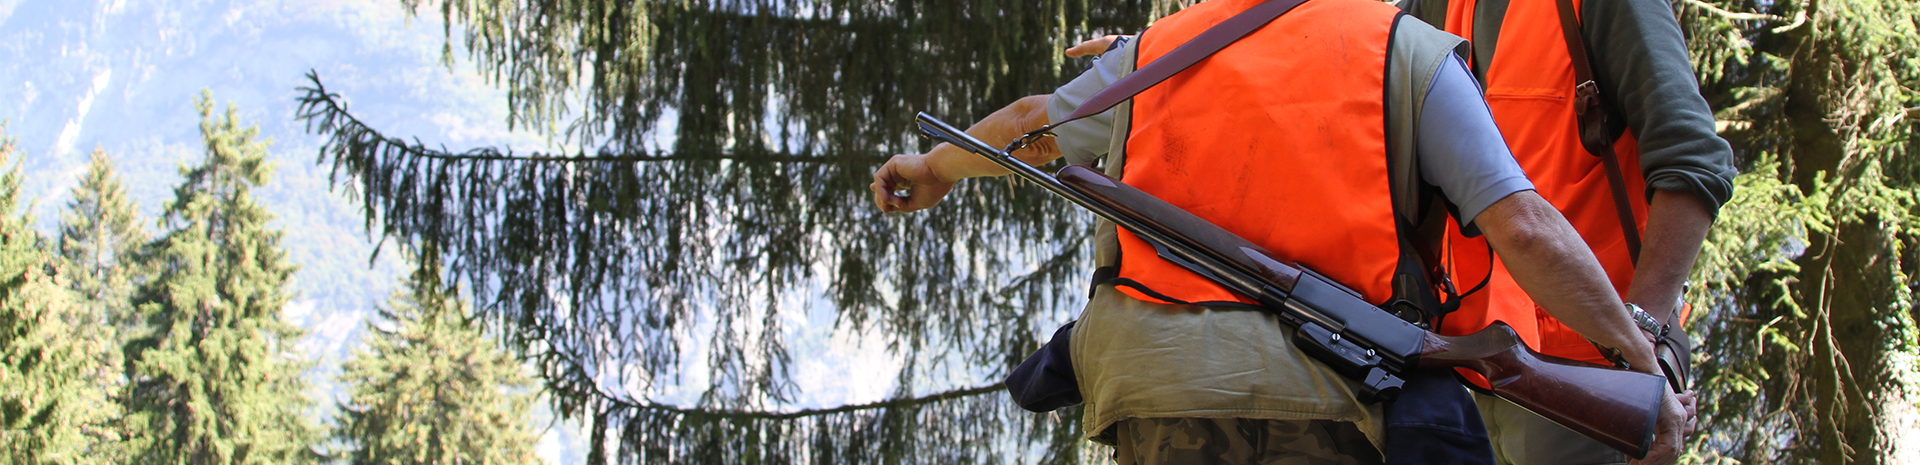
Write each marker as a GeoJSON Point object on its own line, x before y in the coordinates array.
{"type": "Point", "coordinates": [1640, 62]}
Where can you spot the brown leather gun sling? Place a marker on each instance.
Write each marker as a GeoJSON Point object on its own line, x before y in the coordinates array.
{"type": "Point", "coordinates": [1199, 48]}
{"type": "Point", "coordinates": [1595, 120]}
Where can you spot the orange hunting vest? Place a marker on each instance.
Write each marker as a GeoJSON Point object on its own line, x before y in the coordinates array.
{"type": "Point", "coordinates": [1530, 89]}
{"type": "Point", "coordinates": [1280, 138]}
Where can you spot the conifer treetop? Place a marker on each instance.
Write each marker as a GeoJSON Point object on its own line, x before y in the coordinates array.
{"type": "Point", "coordinates": [100, 241]}
{"type": "Point", "coordinates": [214, 377]}
{"type": "Point", "coordinates": [54, 370]}
{"type": "Point", "coordinates": [431, 388]}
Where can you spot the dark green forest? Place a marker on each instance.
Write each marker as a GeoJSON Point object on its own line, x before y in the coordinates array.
{"type": "Point", "coordinates": [713, 191]}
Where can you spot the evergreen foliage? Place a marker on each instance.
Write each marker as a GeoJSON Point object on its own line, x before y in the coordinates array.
{"type": "Point", "coordinates": [601, 266]}
{"type": "Point", "coordinates": [101, 238]}
{"type": "Point", "coordinates": [431, 388]}
{"type": "Point", "coordinates": [1809, 347]}
{"type": "Point", "coordinates": [1807, 338]}
{"type": "Point", "coordinates": [54, 375]}
{"type": "Point", "coordinates": [215, 377]}
{"type": "Point", "coordinates": [100, 242]}
{"type": "Point", "coordinates": [629, 64]}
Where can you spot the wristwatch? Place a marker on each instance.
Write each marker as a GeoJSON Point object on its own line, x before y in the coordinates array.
{"type": "Point", "coordinates": [1646, 322]}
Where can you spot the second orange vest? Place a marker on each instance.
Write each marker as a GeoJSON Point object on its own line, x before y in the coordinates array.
{"type": "Point", "coordinates": [1530, 89]}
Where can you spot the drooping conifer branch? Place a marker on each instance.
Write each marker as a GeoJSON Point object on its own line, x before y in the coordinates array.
{"type": "Point", "coordinates": [759, 415]}
{"type": "Point", "coordinates": [1711, 8]}
{"type": "Point", "coordinates": [607, 71]}
{"type": "Point", "coordinates": [780, 110]}
{"type": "Point", "coordinates": [618, 261]}
{"type": "Point", "coordinates": [964, 429]}
{"type": "Point", "coordinates": [323, 107]}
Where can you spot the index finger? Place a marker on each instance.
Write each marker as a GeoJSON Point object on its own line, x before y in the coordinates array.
{"type": "Point", "coordinates": [882, 191]}
{"type": "Point", "coordinates": [885, 183]}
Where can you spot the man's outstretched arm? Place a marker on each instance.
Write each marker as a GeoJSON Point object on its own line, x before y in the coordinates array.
{"type": "Point", "coordinates": [929, 176]}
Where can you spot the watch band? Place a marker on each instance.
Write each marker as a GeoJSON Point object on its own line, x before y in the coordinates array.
{"type": "Point", "coordinates": [1647, 323]}
{"type": "Point", "coordinates": [1654, 329]}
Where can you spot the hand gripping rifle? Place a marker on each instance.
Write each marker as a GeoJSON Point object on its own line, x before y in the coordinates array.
{"type": "Point", "coordinates": [1336, 326]}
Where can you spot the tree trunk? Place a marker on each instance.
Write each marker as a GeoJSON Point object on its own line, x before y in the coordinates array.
{"type": "Point", "coordinates": [1847, 280]}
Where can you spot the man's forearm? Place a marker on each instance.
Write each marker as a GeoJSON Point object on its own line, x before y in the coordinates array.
{"type": "Point", "coordinates": [998, 129]}
{"type": "Point", "coordinates": [1548, 260]}
{"type": "Point", "coordinates": [918, 181]}
{"type": "Point", "coordinates": [1676, 225]}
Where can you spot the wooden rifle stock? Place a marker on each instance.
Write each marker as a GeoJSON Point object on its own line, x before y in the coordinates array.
{"type": "Point", "coordinates": [1614, 406]}
{"type": "Point", "coordinates": [1617, 407]}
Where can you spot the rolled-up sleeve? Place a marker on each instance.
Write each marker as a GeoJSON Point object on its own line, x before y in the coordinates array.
{"type": "Point", "coordinates": [1087, 139]}
{"type": "Point", "coordinates": [1640, 62]}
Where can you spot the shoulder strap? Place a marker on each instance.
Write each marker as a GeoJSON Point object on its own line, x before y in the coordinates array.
{"type": "Point", "coordinates": [1185, 56]}
{"type": "Point", "coordinates": [1199, 48]}
{"type": "Point", "coordinates": [1595, 122]}
{"type": "Point", "coordinates": [1414, 297]}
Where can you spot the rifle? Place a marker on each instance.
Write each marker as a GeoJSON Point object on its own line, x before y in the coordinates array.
{"type": "Point", "coordinates": [1338, 327]}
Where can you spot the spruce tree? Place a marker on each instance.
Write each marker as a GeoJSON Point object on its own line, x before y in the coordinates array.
{"type": "Point", "coordinates": [215, 377]}
{"type": "Point", "coordinates": [54, 406]}
{"type": "Point", "coordinates": [101, 236]}
{"type": "Point", "coordinates": [100, 239]}
{"type": "Point", "coordinates": [431, 388]}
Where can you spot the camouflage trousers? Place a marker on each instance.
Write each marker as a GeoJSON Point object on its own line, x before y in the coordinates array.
{"type": "Point", "coordinates": [1521, 437]}
{"type": "Point", "coordinates": [1153, 441]}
